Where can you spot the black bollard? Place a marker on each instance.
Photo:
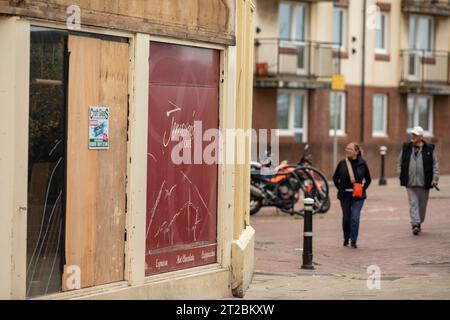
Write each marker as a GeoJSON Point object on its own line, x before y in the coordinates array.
{"type": "Point", "coordinates": [382, 181]}
{"type": "Point", "coordinates": [307, 235]}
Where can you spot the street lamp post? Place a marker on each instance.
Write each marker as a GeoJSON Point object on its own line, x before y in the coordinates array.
{"type": "Point", "coordinates": [383, 151]}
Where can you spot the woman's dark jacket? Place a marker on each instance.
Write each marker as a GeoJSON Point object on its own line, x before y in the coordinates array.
{"type": "Point", "coordinates": [341, 177]}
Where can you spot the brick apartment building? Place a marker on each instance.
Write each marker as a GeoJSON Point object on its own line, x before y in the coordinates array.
{"type": "Point", "coordinates": [396, 71]}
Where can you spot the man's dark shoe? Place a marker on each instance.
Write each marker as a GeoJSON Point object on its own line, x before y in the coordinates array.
{"type": "Point", "coordinates": [416, 230]}
{"type": "Point", "coordinates": [345, 242]}
{"type": "Point", "coordinates": [354, 246]}
{"type": "Point", "coordinates": [420, 228]}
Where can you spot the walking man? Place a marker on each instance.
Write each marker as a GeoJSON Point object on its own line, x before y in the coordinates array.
{"type": "Point", "coordinates": [419, 172]}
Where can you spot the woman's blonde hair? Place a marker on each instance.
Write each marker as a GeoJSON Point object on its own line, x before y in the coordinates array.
{"type": "Point", "coordinates": [359, 150]}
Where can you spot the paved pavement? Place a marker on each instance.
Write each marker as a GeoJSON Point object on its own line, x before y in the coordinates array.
{"type": "Point", "coordinates": [416, 267]}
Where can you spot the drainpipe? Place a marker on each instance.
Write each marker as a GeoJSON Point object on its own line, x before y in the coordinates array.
{"type": "Point", "coordinates": [363, 73]}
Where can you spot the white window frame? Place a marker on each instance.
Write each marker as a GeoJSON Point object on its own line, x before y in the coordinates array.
{"type": "Point", "coordinates": [385, 46]}
{"type": "Point", "coordinates": [427, 133]}
{"type": "Point", "coordinates": [383, 132]}
{"type": "Point", "coordinates": [344, 29]}
{"type": "Point", "coordinates": [417, 17]}
{"type": "Point", "coordinates": [293, 26]}
{"type": "Point", "coordinates": [417, 54]}
{"type": "Point", "coordinates": [291, 131]}
{"type": "Point", "coordinates": [341, 132]}
{"type": "Point", "coordinates": [293, 30]}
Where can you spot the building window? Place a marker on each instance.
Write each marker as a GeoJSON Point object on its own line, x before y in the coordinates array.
{"type": "Point", "coordinates": [292, 114]}
{"type": "Point", "coordinates": [46, 158]}
{"type": "Point", "coordinates": [421, 43]}
{"type": "Point", "coordinates": [337, 113]}
{"type": "Point", "coordinates": [420, 113]}
{"type": "Point", "coordinates": [283, 111]}
{"type": "Point", "coordinates": [421, 30]}
{"type": "Point", "coordinates": [292, 24]}
{"type": "Point", "coordinates": [292, 19]}
{"type": "Point", "coordinates": [379, 115]}
{"type": "Point", "coordinates": [339, 29]}
{"type": "Point", "coordinates": [381, 33]}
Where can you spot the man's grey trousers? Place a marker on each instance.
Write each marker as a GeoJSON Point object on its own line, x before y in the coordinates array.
{"type": "Point", "coordinates": [418, 199]}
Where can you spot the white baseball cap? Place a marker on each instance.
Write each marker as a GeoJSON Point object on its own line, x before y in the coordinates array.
{"type": "Point", "coordinates": [418, 131]}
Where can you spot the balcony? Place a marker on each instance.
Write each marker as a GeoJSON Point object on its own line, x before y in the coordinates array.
{"type": "Point", "coordinates": [433, 7]}
{"type": "Point", "coordinates": [293, 63]}
{"type": "Point", "coordinates": [425, 71]}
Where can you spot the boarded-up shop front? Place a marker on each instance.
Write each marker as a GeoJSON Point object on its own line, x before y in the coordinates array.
{"type": "Point", "coordinates": [76, 194]}
{"type": "Point", "coordinates": [93, 203]}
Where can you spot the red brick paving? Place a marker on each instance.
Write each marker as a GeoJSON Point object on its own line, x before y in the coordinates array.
{"type": "Point", "coordinates": [385, 237]}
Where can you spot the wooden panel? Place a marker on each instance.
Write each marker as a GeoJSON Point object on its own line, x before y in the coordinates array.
{"type": "Point", "coordinates": [96, 178]}
{"type": "Point", "coordinates": [205, 20]}
{"type": "Point", "coordinates": [111, 165]}
{"type": "Point", "coordinates": [84, 74]}
{"type": "Point", "coordinates": [217, 10]}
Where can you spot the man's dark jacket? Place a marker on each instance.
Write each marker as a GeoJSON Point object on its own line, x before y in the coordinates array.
{"type": "Point", "coordinates": [427, 156]}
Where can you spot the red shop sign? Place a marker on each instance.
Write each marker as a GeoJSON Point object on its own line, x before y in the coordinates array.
{"type": "Point", "coordinates": [181, 228]}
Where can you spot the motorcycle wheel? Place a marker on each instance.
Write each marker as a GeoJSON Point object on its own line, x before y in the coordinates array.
{"type": "Point", "coordinates": [319, 192]}
{"type": "Point", "coordinates": [255, 204]}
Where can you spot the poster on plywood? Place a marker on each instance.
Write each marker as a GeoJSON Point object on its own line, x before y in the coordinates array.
{"type": "Point", "coordinates": [98, 128]}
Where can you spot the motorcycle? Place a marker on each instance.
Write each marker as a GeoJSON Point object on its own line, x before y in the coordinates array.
{"type": "Point", "coordinates": [319, 179]}
{"type": "Point", "coordinates": [283, 186]}
{"type": "Point", "coordinates": [280, 188]}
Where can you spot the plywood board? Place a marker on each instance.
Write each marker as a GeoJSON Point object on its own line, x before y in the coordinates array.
{"type": "Point", "coordinates": [111, 165]}
{"type": "Point", "coordinates": [84, 85]}
{"type": "Point", "coordinates": [98, 76]}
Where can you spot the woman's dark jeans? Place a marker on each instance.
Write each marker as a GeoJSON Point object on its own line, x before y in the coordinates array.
{"type": "Point", "coordinates": [351, 209]}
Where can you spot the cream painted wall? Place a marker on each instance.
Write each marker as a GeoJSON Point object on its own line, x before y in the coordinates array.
{"type": "Point", "coordinates": [320, 22]}
{"type": "Point", "coordinates": [442, 40]}
{"type": "Point", "coordinates": [137, 167]}
{"type": "Point", "coordinates": [351, 67]}
{"type": "Point", "coordinates": [14, 83]}
{"type": "Point", "coordinates": [320, 29]}
{"type": "Point", "coordinates": [266, 18]}
{"type": "Point", "coordinates": [385, 73]}
{"type": "Point", "coordinates": [242, 255]}
{"type": "Point", "coordinates": [388, 74]}
{"type": "Point", "coordinates": [378, 73]}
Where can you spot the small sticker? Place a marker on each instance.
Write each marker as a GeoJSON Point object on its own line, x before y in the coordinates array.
{"type": "Point", "coordinates": [98, 128]}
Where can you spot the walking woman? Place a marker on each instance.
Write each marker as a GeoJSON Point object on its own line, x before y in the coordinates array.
{"type": "Point", "coordinates": [348, 179]}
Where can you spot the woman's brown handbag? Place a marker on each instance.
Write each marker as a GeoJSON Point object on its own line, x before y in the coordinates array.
{"type": "Point", "coordinates": [357, 187]}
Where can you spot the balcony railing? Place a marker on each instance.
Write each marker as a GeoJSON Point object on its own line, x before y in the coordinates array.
{"type": "Point", "coordinates": [424, 66]}
{"type": "Point", "coordinates": [434, 7]}
{"type": "Point", "coordinates": [279, 58]}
